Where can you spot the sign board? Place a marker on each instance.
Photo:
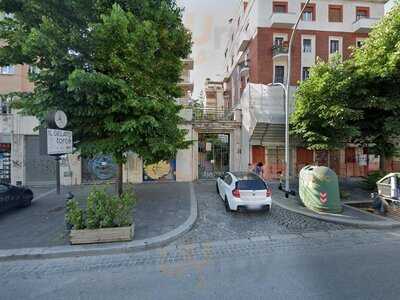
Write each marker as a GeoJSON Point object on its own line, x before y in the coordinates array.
{"type": "Point", "coordinates": [56, 142]}
{"type": "Point", "coordinates": [208, 147]}
{"type": "Point", "coordinates": [363, 160]}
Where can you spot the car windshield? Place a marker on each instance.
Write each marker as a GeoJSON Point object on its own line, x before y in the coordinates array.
{"type": "Point", "coordinates": [251, 185]}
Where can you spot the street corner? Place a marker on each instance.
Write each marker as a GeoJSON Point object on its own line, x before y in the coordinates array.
{"type": "Point", "coordinates": [40, 231]}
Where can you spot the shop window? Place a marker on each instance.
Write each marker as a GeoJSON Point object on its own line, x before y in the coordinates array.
{"type": "Point", "coordinates": [350, 154]}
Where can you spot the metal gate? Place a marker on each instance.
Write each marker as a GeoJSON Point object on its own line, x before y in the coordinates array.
{"type": "Point", "coordinates": [214, 157]}
{"type": "Point", "coordinates": [39, 169]}
{"type": "Point", "coordinates": [5, 163]}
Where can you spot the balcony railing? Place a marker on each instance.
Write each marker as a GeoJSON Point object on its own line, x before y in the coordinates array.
{"type": "Point", "coordinates": [212, 115]}
{"type": "Point", "coordinates": [279, 50]}
{"type": "Point", "coordinates": [364, 24]}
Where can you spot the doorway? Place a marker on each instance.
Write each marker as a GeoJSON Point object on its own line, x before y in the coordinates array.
{"type": "Point", "coordinates": [213, 155]}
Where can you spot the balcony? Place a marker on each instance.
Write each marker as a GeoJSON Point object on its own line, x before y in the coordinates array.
{"type": "Point", "coordinates": [212, 115]}
{"type": "Point", "coordinates": [243, 45]}
{"type": "Point", "coordinates": [188, 63]}
{"type": "Point", "coordinates": [280, 50]}
{"type": "Point", "coordinates": [244, 68]}
{"type": "Point", "coordinates": [186, 86]}
{"type": "Point", "coordinates": [364, 25]}
{"type": "Point", "coordinates": [283, 20]}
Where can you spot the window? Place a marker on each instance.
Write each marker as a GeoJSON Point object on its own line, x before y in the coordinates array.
{"type": "Point", "coordinates": [307, 48]}
{"type": "Point", "coordinates": [280, 7]}
{"type": "Point", "coordinates": [309, 12]}
{"type": "Point", "coordinates": [7, 70]}
{"type": "Point", "coordinates": [228, 179]}
{"type": "Point", "coordinates": [251, 185]}
{"type": "Point", "coordinates": [306, 73]}
{"type": "Point", "coordinates": [362, 13]}
{"type": "Point", "coordinates": [3, 188]}
{"type": "Point", "coordinates": [334, 46]}
{"type": "Point", "coordinates": [360, 43]}
{"type": "Point", "coordinates": [279, 41]}
{"type": "Point", "coordinates": [335, 13]}
{"type": "Point", "coordinates": [5, 108]}
{"type": "Point", "coordinates": [279, 74]}
{"type": "Point", "coordinates": [33, 70]}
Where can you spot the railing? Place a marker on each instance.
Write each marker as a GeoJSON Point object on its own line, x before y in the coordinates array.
{"type": "Point", "coordinates": [279, 49]}
{"type": "Point", "coordinates": [359, 18]}
{"type": "Point", "coordinates": [210, 114]}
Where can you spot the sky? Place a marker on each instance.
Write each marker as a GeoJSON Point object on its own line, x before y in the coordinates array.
{"type": "Point", "coordinates": [208, 21]}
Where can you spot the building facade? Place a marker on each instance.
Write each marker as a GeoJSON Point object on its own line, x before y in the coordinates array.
{"type": "Point", "coordinates": [256, 55]}
{"type": "Point", "coordinates": [21, 162]}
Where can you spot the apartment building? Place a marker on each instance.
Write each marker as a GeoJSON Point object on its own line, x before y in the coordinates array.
{"type": "Point", "coordinates": [214, 95]}
{"type": "Point", "coordinates": [256, 55]}
{"type": "Point", "coordinates": [21, 162]}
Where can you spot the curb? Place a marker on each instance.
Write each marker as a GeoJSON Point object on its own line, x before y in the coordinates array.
{"type": "Point", "coordinates": [43, 195]}
{"type": "Point", "coordinates": [106, 249]}
{"type": "Point", "coordinates": [384, 224]}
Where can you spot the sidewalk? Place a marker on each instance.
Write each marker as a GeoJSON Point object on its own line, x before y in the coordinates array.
{"type": "Point", "coordinates": [350, 216]}
{"type": "Point", "coordinates": [161, 208]}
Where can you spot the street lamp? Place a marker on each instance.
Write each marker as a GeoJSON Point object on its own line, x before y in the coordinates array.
{"type": "Point", "coordinates": [287, 95]}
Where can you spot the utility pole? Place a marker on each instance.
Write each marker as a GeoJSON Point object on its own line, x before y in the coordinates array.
{"type": "Point", "coordinates": [287, 96]}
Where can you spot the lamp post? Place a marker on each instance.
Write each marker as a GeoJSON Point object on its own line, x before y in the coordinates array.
{"type": "Point", "coordinates": [287, 95]}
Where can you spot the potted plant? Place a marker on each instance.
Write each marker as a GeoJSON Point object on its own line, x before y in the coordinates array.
{"type": "Point", "coordinates": [105, 219]}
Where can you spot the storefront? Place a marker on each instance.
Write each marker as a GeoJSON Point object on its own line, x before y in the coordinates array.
{"type": "Point", "coordinates": [5, 163]}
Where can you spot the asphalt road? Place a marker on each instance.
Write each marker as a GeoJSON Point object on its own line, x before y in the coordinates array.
{"type": "Point", "coordinates": [346, 264]}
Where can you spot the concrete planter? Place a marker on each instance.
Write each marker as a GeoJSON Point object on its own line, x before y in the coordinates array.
{"type": "Point", "coordinates": [104, 235]}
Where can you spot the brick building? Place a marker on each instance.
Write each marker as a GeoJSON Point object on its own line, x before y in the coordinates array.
{"type": "Point", "coordinates": [257, 54]}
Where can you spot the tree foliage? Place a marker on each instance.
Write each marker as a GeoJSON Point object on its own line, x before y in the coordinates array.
{"type": "Point", "coordinates": [112, 65]}
{"type": "Point", "coordinates": [357, 100]}
{"type": "Point", "coordinates": [323, 118]}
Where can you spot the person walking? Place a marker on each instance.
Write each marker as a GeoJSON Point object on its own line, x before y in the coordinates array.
{"type": "Point", "coordinates": [259, 169]}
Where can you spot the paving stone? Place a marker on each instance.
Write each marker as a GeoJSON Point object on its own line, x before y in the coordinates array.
{"type": "Point", "coordinates": [215, 224]}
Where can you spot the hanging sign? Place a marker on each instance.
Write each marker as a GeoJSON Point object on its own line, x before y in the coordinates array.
{"type": "Point", "coordinates": [56, 142]}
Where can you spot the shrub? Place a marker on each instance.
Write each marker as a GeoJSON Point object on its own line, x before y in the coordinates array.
{"type": "Point", "coordinates": [102, 211]}
{"type": "Point", "coordinates": [369, 183]}
{"type": "Point", "coordinates": [75, 215]}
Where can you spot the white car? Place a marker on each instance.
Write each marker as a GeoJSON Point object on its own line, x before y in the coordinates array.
{"type": "Point", "coordinates": [244, 190]}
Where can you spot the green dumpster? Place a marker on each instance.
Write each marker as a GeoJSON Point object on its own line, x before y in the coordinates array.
{"type": "Point", "coordinates": [319, 189]}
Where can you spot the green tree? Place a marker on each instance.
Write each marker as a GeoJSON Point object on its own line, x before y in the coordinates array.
{"type": "Point", "coordinates": [357, 100]}
{"type": "Point", "coordinates": [377, 74]}
{"type": "Point", "coordinates": [112, 65]}
{"type": "Point", "coordinates": [323, 118]}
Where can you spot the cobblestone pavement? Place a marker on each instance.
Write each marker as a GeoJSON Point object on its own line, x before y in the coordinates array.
{"type": "Point", "coordinates": [214, 223]}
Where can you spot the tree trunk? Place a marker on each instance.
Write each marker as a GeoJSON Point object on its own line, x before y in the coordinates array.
{"type": "Point", "coordinates": [120, 188]}
{"type": "Point", "coordinates": [382, 163]}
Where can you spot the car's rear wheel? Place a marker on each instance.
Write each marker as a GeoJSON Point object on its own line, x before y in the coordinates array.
{"type": "Point", "coordinates": [217, 187]}
{"type": "Point", "coordinates": [26, 200]}
{"type": "Point", "coordinates": [227, 207]}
